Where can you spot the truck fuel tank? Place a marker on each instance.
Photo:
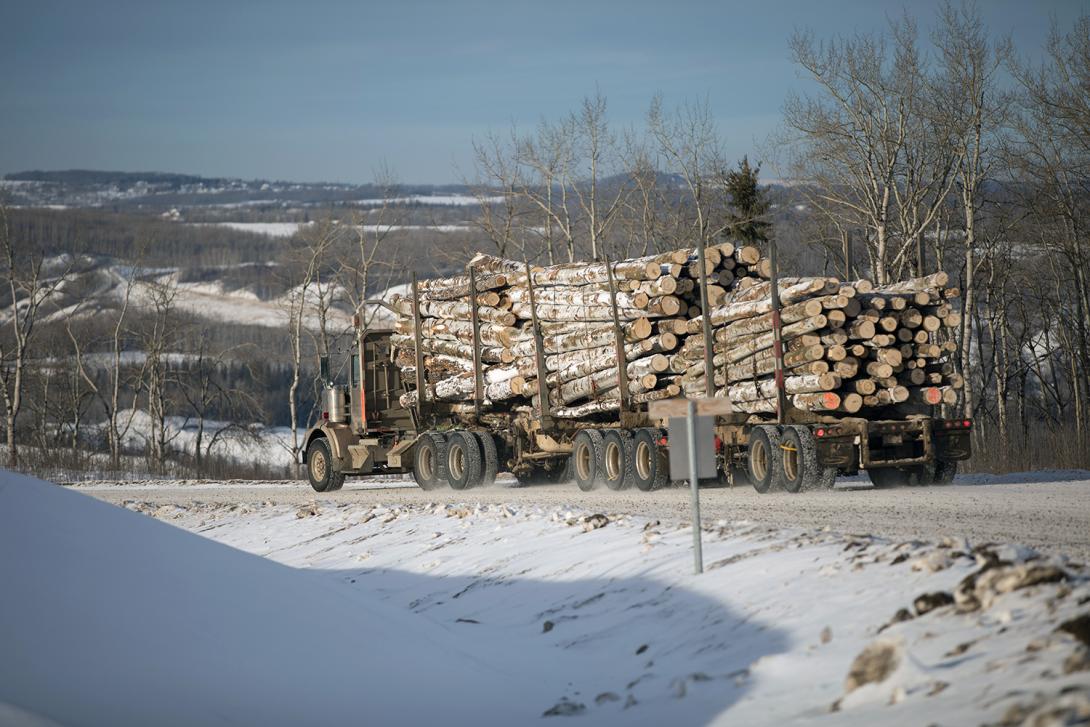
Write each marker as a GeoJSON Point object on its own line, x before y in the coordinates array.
{"type": "Point", "coordinates": [335, 407]}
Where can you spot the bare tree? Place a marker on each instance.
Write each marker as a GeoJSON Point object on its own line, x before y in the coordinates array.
{"type": "Point", "coordinates": [867, 144]}
{"type": "Point", "coordinates": [1051, 153]}
{"type": "Point", "coordinates": [28, 285]}
{"type": "Point", "coordinates": [118, 425]}
{"type": "Point", "coordinates": [967, 90]}
{"type": "Point", "coordinates": [159, 339]}
{"type": "Point", "coordinates": [689, 143]}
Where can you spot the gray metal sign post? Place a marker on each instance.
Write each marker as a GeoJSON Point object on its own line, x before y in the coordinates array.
{"type": "Point", "coordinates": [694, 484]}
{"type": "Point", "coordinates": [692, 450]}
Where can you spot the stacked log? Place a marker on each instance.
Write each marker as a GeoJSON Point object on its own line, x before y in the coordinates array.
{"type": "Point", "coordinates": [849, 347]}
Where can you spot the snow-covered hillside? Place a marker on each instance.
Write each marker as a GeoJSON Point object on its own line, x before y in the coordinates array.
{"type": "Point", "coordinates": [495, 615]}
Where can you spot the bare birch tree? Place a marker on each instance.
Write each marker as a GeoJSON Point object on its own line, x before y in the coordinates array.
{"type": "Point", "coordinates": [28, 285]}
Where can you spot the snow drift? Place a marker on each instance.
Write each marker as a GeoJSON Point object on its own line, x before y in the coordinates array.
{"type": "Point", "coordinates": [110, 617]}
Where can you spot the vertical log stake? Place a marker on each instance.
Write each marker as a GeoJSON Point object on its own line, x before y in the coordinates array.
{"type": "Point", "coordinates": [709, 372]}
{"type": "Point", "coordinates": [421, 392]}
{"type": "Point", "coordinates": [539, 350]}
{"type": "Point", "coordinates": [478, 377]}
{"type": "Point", "coordinates": [777, 333]}
{"type": "Point", "coordinates": [618, 339]}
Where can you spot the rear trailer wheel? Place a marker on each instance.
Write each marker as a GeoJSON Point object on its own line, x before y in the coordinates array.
{"type": "Point", "coordinates": [945, 471]}
{"type": "Point", "coordinates": [465, 465]}
{"type": "Point", "coordinates": [491, 460]}
{"type": "Point", "coordinates": [586, 459]}
{"type": "Point", "coordinates": [649, 465]}
{"type": "Point", "coordinates": [765, 458]}
{"type": "Point", "coordinates": [617, 459]}
{"type": "Point", "coordinates": [814, 476]}
{"type": "Point", "coordinates": [320, 472]}
{"type": "Point", "coordinates": [430, 461]}
{"type": "Point", "coordinates": [794, 464]}
{"type": "Point", "coordinates": [914, 476]}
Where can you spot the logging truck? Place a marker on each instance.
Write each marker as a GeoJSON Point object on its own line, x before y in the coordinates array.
{"type": "Point", "coordinates": [365, 429]}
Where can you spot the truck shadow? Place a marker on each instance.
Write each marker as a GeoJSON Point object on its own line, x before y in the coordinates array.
{"type": "Point", "coordinates": [617, 650]}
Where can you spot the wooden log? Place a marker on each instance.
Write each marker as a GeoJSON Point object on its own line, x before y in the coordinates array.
{"type": "Point", "coordinates": [458, 286]}
{"type": "Point", "coordinates": [792, 384]}
{"type": "Point", "coordinates": [580, 336]}
{"type": "Point", "coordinates": [850, 403]}
{"type": "Point", "coordinates": [584, 386]}
{"type": "Point", "coordinates": [861, 329]}
{"type": "Point", "coordinates": [584, 367]}
{"type": "Point", "coordinates": [864, 387]}
{"type": "Point", "coordinates": [846, 368]}
{"type": "Point", "coordinates": [915, 285]}
{"type": "Point", "coordinates": [489, 354]}
{"type": "Point", "coordinates": [764, 341]}
{"type": "Point", "coordinates": [569, 296]}
{"type": "Point", "coordinates": [819, 401]}
{"type": "Point", "coordinates": [457, 330]}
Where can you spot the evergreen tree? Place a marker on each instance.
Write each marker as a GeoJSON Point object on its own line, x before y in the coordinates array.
{"type": "Point", "coordinates": [747, 220]}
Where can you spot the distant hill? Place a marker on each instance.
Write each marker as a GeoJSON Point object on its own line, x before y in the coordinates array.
{"type": "Point", "coordinates": [163, 191]}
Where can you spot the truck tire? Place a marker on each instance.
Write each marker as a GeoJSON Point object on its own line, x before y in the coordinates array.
{"type": "Point", "coordinates": [650, 470]}
{"type": "Point", "coordinates": [586, 459]}
{"type": "Point", "coordinates": [915, 476]}
{"type": "Point", "coordinates": [945, 471]}
{"type": "Point", "coordinates": [491, 458]}
{"type": "Point", "coordinates": [430, 461]}
{"type": "Point", "coordinates": [617, 459]}
{"type": "Point", "coordinates": [815, 477]}
{"type": "Point", "coordinates": [320, 472]}
{"type": "Point", "coordinates": [793, 459]}
{"type": "Point", "coordinates": [540, 475]}
{"type": "Point", "coordinates": [465, 464]}
{"type": "Point", "coordinates": [765, 459]}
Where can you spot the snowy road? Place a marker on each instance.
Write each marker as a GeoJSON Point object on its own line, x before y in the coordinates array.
{"type": "Point", "coordinates": [1051, 514]}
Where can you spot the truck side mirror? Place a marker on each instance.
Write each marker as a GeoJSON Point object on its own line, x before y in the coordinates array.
{"type": "Point", "coordinates": [323, 369]}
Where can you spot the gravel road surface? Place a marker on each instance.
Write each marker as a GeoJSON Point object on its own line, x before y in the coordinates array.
{"type": "Point", "coordinates": [1050, 515]}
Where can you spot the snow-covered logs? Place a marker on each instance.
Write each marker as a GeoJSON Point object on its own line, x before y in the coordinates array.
{"type": "Point", "coordinates": [848, 347]}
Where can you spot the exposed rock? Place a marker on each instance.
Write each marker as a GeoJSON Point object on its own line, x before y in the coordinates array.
{"type": "Point", "coordinates": [593, 522]}
{"type": "Point", "coordinates": [826, 635]}
{"type": "Point", "coordinates": [873, 664]}
{"type": "Point", "coordinates": [1079, 627]}
{"type": "Point", "coordinates": [902, 615]}
{"type": "Point", "coordinates": [547, 627]}
{"type": "Point", "coordinates": [310, 510]}
{"type": "Point", "coordinates": [928, 602]}
{"type": "Point", "coordinates": [996, 577]}
{"type": "Point", "coordinates": [933, 562]}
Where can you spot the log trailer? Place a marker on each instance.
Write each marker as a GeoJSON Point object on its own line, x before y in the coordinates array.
{"type": "Point", "coordinates": [364, 430]}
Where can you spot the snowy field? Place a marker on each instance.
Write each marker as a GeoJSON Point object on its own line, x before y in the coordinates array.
{"type": "Point", "coordinates": [331, 612]}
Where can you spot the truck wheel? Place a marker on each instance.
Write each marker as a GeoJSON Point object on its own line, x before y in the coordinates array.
{"type": "Point", "coordinates": [320, 467]}
{"type": "Point", "coordinates": [560, 473]}
{"type": "Point", "coordinates": [430, 461]}
{"type": "Point", "coordinates": [491, 458]}
{"type": "Point", "coordinates": [814, 476]}
{"type": "Point", "coordinates": [465, 465]}
{"type": "Point", "coordinates": [649, 465]}
{"type": "Point", "coordinates": [617, 459]}
{"type": "Point", "coordinates": [765, 459]}
{"type": "Point", "coordinates": [586, 459]}
{"type": "Point", "coordinates": [794, 462]}
{"type": "Point", "coordinates": [914, 476]}
{"type": "Point", "coordinates": [945, 471]}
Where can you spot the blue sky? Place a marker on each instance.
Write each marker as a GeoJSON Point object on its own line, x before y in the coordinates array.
{"type": "Point", "coordinates": [316, 91]}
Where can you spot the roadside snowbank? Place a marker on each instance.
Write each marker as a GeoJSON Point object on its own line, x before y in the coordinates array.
{"type": "Point", "coordinates": [112, 618]}
{"type": "Point", "coordinates": [602, 612]}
